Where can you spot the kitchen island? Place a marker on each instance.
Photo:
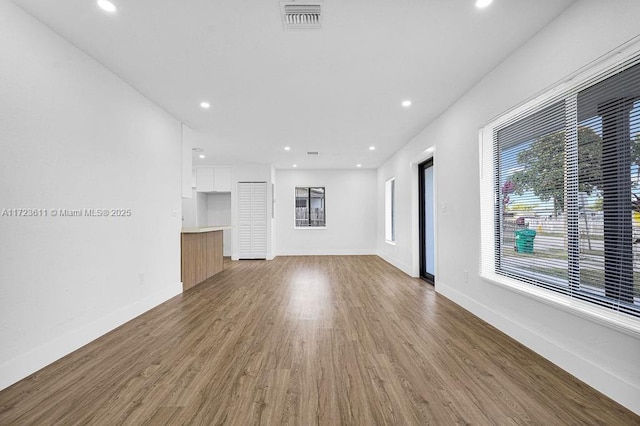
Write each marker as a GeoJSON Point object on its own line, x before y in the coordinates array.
{"type": "Point", "coordinates": [201, 254]}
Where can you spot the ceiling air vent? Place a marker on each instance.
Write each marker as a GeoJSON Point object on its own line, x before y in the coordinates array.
{"type": "Point", "coordinates": [301, 16]}
{"type": "Point", "coordinates": [312, 152]}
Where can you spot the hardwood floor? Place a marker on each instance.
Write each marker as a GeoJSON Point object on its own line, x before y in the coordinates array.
{"type": "Point", "coordinates": [306, 340]}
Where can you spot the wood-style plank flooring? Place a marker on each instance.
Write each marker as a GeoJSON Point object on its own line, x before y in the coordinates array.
{"type": "Point", "coordinates": [306, 340]}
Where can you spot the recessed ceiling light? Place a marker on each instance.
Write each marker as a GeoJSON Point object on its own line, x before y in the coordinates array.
{"type": "Point", "coordinates": [201, 156]}
{"type": "Point", "coordinates": [295, 165]}
{"type": "Point", "coordinates": [406, 103]}
{"type": "Point", "coordinates": [107, 6]}
{"type": "Point", "coordinates": [358, 165]}
{"type": "Point", "coordinates": [483, 3]}
{"type": "Point", "coordinates": [287, 148]}
{"type": "Point", "coordinates": [372, 148]}
{"type": "Point", "coordinates": [205, 105]}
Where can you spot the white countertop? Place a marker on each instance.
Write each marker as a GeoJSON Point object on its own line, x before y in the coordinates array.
{"type": "Point", "coordinates": [199, 229]}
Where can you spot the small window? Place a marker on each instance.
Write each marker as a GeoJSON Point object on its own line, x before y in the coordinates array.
{"type": "Point", "coordinates": [310, 207]}
{"type": "Point", "coordinates": [390, 210]}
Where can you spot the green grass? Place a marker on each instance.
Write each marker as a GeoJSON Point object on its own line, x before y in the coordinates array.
{"type": "Point", "coordinates": [552, 272]}
{"type": "Point", "coordinates": [583, 237]}
{"type": "Point", "coordinates": [590, 277]}
{"type": "Point", "coordinates": [538, 254]}
{"type": "Point", "coordinates": [592, 252]}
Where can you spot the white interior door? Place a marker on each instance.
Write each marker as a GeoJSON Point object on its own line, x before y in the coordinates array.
{"type": "Point", "coordinates": [252, 220]}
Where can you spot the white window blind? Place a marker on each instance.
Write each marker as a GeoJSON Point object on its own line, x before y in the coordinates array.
{"type": "Point", "coordinates": [566, 184]}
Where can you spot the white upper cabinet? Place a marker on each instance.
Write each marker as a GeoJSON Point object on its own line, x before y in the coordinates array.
{"type": "Point", "coordinates": [222, 179]}
{"type": "Point", "coordinates": [204, 179]}
{"type": "Point", "coordinates": [213, 179]}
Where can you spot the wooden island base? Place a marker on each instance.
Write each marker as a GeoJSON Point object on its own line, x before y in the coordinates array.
{"type": "Point", "coordinates": [202, 254]}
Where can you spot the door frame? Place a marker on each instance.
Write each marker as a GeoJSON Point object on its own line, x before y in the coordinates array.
{"type": "Point", "coordinates": [428, 163]}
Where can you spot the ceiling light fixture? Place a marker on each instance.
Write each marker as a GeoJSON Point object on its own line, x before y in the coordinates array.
{"type": "Point", "coordinates": [205, 105]}
{"type": "Point", "coordinates": [372, 148]}
{"type": "Point", "coordinates": [201, 156]}
{"type": "Point", "coordinates": [358, 165]}
{"type": "Point", "coordinates": [406, 103]}
{"type": "Point", "coordinates": [295, 165]}
{"type": "Point", "coordinates": [483, 3]}
{"type": "Point", "coordinates": [107, 6]}
{"type": "Point", "coordinates": [287, 148]}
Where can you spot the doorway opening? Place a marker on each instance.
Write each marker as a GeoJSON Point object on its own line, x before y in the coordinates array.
{"type": "Point", "coordinates": [427, 221]}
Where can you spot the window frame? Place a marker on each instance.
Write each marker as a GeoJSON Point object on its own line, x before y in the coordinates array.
{"type": "Point", "coordinates": [308, 199]}
{"type": "Point", "coordinates": [563, 91]}
{"type": "Point", "coordinates": [390, 210]}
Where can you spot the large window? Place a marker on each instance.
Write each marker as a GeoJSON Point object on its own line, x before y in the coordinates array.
{"type": "Point", "coordinates": [390, 210]}
{"type": "Point", "coordinates": [566, 192]}
{"type": "Point", "coordinates": [310, 207]}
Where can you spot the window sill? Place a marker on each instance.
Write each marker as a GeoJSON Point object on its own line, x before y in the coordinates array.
{"type": "Point", "coordinates": [309, 227]}
{"type": "Point", "coordinates": [603, 316]}
{"type": "Point", "coordinates": [393, 243]}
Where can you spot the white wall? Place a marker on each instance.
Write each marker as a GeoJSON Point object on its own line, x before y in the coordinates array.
{"type": "Point", "coordinates": [75, 136]}
{"type": "Point", "coordinates": [219, 213]}
{"type": "Point", "coordinates": [603, 357]}
{"type": "Point", "coordinates": [195, 210]}
{"type": "Point", "coordinates": [187, 161]}
{"type": "Point", "coordinates": [189, 210]}
{"type": "Point", "coordinates": [202, 215]}
{"type": "Point", "coordinates": [350, 213]}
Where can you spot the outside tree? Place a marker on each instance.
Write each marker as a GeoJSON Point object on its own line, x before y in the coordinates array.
{"type": "Point", "coordinates": [507, 188]}
{"type": "Point", "coordinates": [544, 164]}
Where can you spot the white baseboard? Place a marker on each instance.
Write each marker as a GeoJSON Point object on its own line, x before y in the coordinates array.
{"type": "Point", "coordinates": [594, 375]}
{"type": "Point", "coordinates": [28, 363]}
{"type": "Point", "coordinates": [398, 264]}
{"type": "Point", "coordinates": [326, 252]}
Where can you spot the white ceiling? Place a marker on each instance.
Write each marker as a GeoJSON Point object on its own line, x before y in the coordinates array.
{"type": "Point", "coordinates": [337, 90]}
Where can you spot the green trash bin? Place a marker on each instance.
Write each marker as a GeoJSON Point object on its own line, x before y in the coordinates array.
{"type": "Point", "coordinates": [524, 240]}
